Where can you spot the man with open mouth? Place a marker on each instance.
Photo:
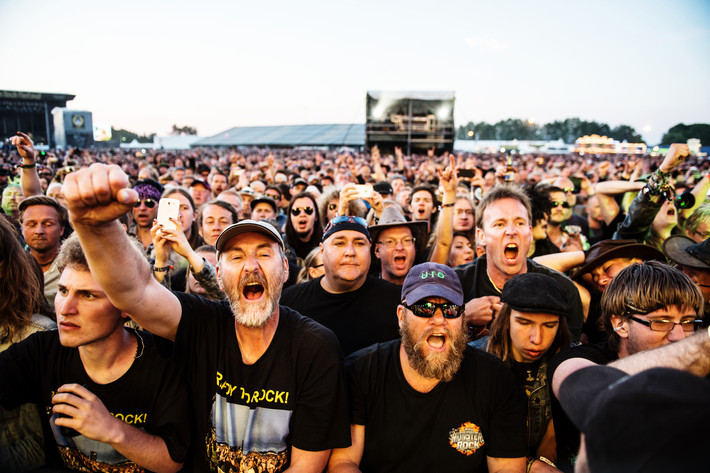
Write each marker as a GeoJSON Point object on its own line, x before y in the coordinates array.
{"type": "Point", "coordinates": [398, 244]}
{"type": "Point", "coordinates": [428, 402]}
{"type": "Point", "coordinates": [267, 383]}
{"type": "Point", "coordinates": [503, 228]}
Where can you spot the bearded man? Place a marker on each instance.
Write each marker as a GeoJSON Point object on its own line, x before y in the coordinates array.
{"type": "Point", "coordinates": [267, 383]}
{"type": "Point", "coordinates": [429, 402]}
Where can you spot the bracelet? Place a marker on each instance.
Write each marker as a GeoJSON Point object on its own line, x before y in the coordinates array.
{"type": "Point", "coordinates": [708, 330]}
{"type": "Point", "coordinates": [528, 466]}
{"type": "Point", "coordinates": [164, 269]}
{"type": "Point", "coordinates": [447, 205]}
{"type": "Point", "coordinates": [25, 166]}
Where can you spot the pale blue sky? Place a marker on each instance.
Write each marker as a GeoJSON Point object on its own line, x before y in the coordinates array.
{"type": "Point", "coordinates": [144, 65]}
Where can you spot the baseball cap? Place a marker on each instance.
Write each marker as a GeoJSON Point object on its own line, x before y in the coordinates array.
{"type": "Point", "coordinates": [383, 187]}
{"type": "Point", "coordinates": [196, 181]}
{"type": "Point", "coordinates": [432, 280]}
{"type": "Point", "coordinates": [248, 226]}
{"type": "Point", "coordinates": [535, 293]}
{"type": "Point", "coordinates": [346, 222]}
{"type": "Point", "coordinates": [264, 200]}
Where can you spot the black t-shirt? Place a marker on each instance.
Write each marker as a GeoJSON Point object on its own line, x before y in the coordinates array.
{"type": "Point", "coordinates": [566, 434]}
{"type": "Point", "coordinates": [150, 396]}
{"type": "Point", "coordinates": [454, 427]}
{"type": "Point", "coordinates": [358, 318]}
{"type": "Point", "coordinates": [475, 282]}
{"type": "Point", "coordinates": [248, 416]}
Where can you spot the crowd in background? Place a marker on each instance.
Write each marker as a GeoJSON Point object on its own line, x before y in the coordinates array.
{"type": "Point", "coordinates": [591, 216]}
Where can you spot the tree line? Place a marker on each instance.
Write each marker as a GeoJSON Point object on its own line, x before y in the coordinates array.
{"type": "Point", "coordinates": [570, 129]}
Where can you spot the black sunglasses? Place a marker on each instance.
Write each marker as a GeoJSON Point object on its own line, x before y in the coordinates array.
{"type": "Point", "coordinates": [150, 203]}
{"type": "Point", "coordinates": [565, 205]}
{"type": "Point", "coordinates": [427, 309]}
{"type": "Point", "coordinates": [296, 211]}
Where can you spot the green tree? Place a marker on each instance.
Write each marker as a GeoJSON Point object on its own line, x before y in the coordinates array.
{"type": "Point", "coordinates": [682, 133]}
{"type": "Point", "coordinates": [126, 136]}
{"type": "Point", "coordinates": [626, 133]}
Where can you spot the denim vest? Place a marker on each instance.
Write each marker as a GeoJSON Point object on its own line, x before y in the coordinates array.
{"type": "Point", "coordinates": [539, 408]}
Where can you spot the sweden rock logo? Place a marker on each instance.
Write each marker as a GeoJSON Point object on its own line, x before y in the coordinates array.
{"type": "Point", "coordinates": [467, 438]}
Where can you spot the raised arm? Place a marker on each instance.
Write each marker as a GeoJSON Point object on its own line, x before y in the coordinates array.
{"type": "Point", "coordinates": [445, 225]}
{"type": "Point", "coordinates": [646, 205]}
{"type": "Point", "coordinates": [606, 191]}
{"type": "Point", "coordinates": [700, 191]}
{"type": "Point", "coordinates": [29, 178]}
{"type": "Point", "coordinates": [96, 196]}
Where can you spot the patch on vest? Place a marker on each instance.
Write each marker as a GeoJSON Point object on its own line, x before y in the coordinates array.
{"type": "Point", "coordinates": [467, 438]}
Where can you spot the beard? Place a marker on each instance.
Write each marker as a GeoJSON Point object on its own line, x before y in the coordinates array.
{"type": "Point", "coordinates": [442, 366]}
{"type": "Point", "coordinates": [252, 314]}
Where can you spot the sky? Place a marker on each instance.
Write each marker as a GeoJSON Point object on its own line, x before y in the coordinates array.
{"type": "Point", "coordinates": [146, 65]}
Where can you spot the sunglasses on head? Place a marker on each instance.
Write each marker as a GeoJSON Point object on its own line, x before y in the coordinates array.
{"type": "Point", "coordinates": [565, 205]}
{"type": "Point", "coordinates": [348, 218]}
{"type": "Point", "coordinates": [427, 309]}
{"type": "Point", "coordinates": [296, 211]}
{"type": "Point", "coordinates": [150, 203]}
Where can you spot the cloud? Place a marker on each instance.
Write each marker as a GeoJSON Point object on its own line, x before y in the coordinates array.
{"type": "Point", "coordinates": [487, 44]}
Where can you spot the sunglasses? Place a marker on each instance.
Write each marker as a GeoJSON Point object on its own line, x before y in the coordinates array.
{"type": "Point", "coordinates": [565, 205]}
{"type": "Point", "coordinates": [348, 218]}
{"type": "Point", "coordinates": [296, 211]}
{"type": "Point", "coordinates": [427, 309]}
{"type": "Point", "coordinates": [332, 207]}
{"type": "Point", "coordinates": [150, 203]}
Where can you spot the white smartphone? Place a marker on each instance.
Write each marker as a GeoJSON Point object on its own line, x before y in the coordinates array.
{"type": "Point", "coordinates": [167, 209]}
{"type": "Point", "coordinates": [364, 191]}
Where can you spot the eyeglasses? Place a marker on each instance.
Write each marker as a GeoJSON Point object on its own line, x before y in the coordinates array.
{"type": "Point", "coordinates": [296, 211]}
{"type": "Point", "coordinates": [427, 310]}
{"type": "Point", "coordinates": [668, 325]}
{"type": "Point", "coordinates": [150, 203]}
{"type": "Point", "coordinates": [564, 205]}
{"type": "Point", "coordinates": [391, 242]}
{"type": "Point", "coordinates": [332, 207]}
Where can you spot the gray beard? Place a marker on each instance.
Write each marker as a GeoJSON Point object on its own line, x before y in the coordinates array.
{"type": "Point", "coordinates": [249, 314]}
{"type": "Point", "coordinates": [436, 366]}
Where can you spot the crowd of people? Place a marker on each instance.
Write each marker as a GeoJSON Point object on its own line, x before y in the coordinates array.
{"type": "Point", "coordinates": [313, 310]}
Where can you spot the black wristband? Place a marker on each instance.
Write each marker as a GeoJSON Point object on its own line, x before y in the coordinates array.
{"type": "Point", "coordinates": [25, 166]}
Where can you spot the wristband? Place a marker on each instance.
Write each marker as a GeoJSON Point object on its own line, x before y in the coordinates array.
{"type": "Point", "coordinates": [164, 269]}
{"type": "Point", "coordinates": [528, 465]}
{"type": "Point", "coordinates": [25, 166]}
{"type": "Point", "coordinates": [447, 205]}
